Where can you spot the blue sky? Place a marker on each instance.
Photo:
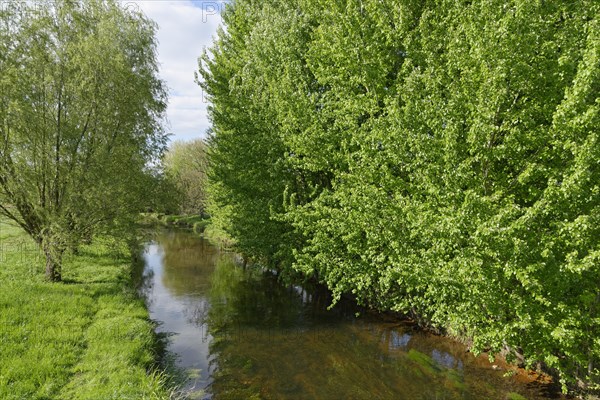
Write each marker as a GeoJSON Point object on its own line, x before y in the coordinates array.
{"type": "Point", "coordinates": [186, 28]}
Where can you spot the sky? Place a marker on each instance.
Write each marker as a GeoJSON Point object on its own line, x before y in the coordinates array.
{"type": "Point", "coordinates": [185, 29]}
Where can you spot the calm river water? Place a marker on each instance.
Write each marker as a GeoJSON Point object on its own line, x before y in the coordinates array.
{"type": "Point", "coordinates": [242, 335]}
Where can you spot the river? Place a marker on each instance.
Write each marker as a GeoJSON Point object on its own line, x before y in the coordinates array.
{"type": "Point", "coordinates": [240, 334]}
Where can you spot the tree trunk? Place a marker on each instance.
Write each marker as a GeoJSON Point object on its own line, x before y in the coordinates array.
{"type": "Point", "coordinates": [53, 262]}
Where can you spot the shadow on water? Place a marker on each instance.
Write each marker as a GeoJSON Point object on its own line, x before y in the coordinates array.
{"type": "Point", "coordinates": [240, 334]}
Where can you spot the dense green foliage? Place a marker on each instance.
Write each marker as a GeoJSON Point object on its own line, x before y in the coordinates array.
{"type": "Point", "coordinates": [81, 110]}
{"type": "Point", "coordinates": [438, 158]}
{"type": "Point", "coordinates": [186, 166]}
{"type": "Point", "coordinates": [90, 339]}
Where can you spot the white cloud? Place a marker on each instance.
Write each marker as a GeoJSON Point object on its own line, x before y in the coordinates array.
{"type": "Point", "coordinates": [186, 28]}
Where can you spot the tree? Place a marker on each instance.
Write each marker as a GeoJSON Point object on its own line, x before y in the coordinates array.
{"type": "Point", "coordinates": [187, 165]}
{"type": "Point", "coordinates": [438, 159]}
{"type": "Point", "coordinates": [247, 179]}
{"type": "Point", "coordinates": [81, 110]}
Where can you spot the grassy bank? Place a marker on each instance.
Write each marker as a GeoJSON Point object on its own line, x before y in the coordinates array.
{"type": "Point", "coordinates": [86, 338]}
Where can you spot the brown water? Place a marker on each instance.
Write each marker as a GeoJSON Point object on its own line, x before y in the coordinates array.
{"type": "Point", "coordinates": [243, 335]}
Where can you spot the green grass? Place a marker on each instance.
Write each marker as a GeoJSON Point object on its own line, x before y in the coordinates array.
{"type": "Point", "coordinates": [86, 338]}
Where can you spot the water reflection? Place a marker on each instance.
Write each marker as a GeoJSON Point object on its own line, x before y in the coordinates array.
{"type": "Point", "coordinates": [175, 284]}
{"type": "Point", "coordinates": [445, 360]}
{"type": "Point", "coordinates": [397, 340]}
{"type": "Point", "coordinates": [243, 335]}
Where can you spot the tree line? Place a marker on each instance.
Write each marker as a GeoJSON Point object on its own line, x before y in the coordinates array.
{"type": "Point", "coordinates": [435, 158]}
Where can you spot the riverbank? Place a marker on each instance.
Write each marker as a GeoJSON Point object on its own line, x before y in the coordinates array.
{"type": "Point", "coordinates": [199, 224]}
{"type": "Point", "coordinates": [272, 339]}
{"type": "Point", "coordinates": [483, 361]}
{"type": "Point", "coordinates": [86, 338]}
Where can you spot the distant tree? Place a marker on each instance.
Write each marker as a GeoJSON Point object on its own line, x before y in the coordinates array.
{"type": "Point", "coordinates": [186, 164]}
{"type": "Point", "coordinates": [81, 110]}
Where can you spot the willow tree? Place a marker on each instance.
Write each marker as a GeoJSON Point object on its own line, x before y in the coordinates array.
{"type": "Point", "coordinates": [81, 110]}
